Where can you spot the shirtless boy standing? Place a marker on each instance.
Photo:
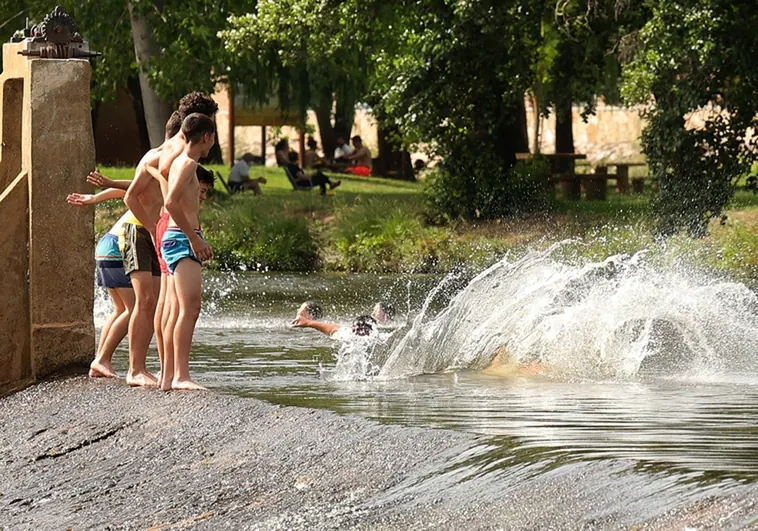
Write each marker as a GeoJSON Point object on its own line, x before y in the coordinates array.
{"type": "Point", "coordinates": [145, 198]}
{"type": "Point", "coordinates": [183, 247]}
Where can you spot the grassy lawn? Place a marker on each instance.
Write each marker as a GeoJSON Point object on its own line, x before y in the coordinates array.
{"type": "Point", "coordinates": [373, 224]}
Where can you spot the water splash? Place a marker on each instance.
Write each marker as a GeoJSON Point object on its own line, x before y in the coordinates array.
{"type": "Point", "coordinates": [620, 318]}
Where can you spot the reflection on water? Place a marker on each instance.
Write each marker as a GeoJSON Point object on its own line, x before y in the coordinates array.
{"type": "Point", "coordinates": [700, 431]}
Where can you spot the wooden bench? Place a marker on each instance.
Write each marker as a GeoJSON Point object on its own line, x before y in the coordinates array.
{"type": "Point", "coordinates": [622, 176]}
{"type": "Point", "coordinates": [570, 183]}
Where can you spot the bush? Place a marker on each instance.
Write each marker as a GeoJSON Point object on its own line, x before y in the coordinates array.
{"type": "Point", "coordinates": [382, 236]}
{"type": "Point", "coordinates": [451, 194]}
{"type": "Point", "coordinates": [242, 237]}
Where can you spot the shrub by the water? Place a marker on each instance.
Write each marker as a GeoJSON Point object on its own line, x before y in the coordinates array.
{"type": "Point", "coordinates": [454, 192]}
{"type": "Point", "coordinates": [241, 237]}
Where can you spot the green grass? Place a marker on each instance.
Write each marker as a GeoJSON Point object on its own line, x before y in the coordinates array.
{"type": "Point", "coordinates": [378, 225]}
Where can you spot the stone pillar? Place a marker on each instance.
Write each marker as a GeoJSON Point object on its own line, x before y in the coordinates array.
{"type": "Point", "coordinates": [46, 246]}
{"type": "Point", "coordinates": [61, 253]}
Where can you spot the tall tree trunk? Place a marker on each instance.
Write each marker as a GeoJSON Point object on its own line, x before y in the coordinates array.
{"type": "Point", "coordinates": [157, 110]}
{"type": "Point", "coordinates": [537, 128]}
{"type": "Point", "coordinates": [564, 134]}
{"type": "Point", "coordinates": [392, 161]}
{"type": "Point", "coordinates": [323, 112]}
{"type": "Point", "coordinates": [523, 142]}
{"type": "Point", "coordinates": [344, 116]}
{"type": "Point", "coordinates": [135, 93]}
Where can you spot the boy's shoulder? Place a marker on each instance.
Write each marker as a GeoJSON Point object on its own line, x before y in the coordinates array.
{"type": "Point", "coordinates": [182, 161]}
{"type": "Point", "coordinates": [151, 157]}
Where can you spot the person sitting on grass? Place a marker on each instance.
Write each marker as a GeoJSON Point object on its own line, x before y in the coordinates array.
{"type": "Point", "coordinates": [309, 181]}
{"type": "Point", "coordinates": [239, 177]}
{"type": "Point", "coordinates": [282, 152]}
{"type": "Point", "coordinates": [361, 157]}
{"type": "Point", "coordinates": [311, 158]}
{"type": "Point", "coordinates": [342, 150]}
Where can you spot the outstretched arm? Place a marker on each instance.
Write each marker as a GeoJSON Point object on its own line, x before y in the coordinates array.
{"type": "Point", "coordinates": [132, 197]}
{"type": "Point", "coordinates": [325, 328]}
{"type": "Point", "coordinates": [90, 199]}
{"type": "Point", "coordinates": [97, 179]}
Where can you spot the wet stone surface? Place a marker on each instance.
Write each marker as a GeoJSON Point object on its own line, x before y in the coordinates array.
{"type": "Point", "coordinates": [84, 454]}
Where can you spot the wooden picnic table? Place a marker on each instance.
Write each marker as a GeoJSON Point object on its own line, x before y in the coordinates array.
{"type": "Point", "coordinates": [622, 175]}
{"type": "Point", "coordinates": [570, 183]}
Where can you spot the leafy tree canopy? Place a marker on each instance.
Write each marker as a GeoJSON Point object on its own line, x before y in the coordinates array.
{"type": "Point", "coordinates": [696, 68]}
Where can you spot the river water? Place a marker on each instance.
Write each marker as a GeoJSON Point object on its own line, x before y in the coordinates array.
{"type": "Point", "coordinates": [652, 368]}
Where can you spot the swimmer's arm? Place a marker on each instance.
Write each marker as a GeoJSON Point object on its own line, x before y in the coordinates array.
{"type": "Point", "coordinates": [132, 199]}
{"type": "Point", "coordinates": [325, 328]}
{"type": "Point", "coordinates": [97, 179]}
{"type": "Point", "coordinates": [90, 199]}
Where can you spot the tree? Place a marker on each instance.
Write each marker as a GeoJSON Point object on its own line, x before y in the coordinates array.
{"type": "Point", "coordinates": [695, 67]}
{"type": "Point", "coordinates": [455, 82]}
{"type": "Point", "coordinates": [311, 54]}
{"type": "Point", "coordinates": [178, 46]}
{"type": "Point", "coordinates": [157, 110]}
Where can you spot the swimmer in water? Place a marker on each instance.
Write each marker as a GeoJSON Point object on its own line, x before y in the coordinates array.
{"type": "Point", "coordinates": [363, 325]}
{"type": "Point", "coordinates": [309, 310]}
{"type": "Point", "coordinates": [383, 313]}
{"type": "Point", "coordinates": [504, 365]}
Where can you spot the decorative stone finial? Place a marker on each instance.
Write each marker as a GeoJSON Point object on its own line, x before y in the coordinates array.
{"type": "Point", "coordinates": [57, 37]}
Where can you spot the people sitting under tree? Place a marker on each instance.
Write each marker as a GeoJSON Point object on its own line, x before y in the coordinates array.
{"type": "Point", "coordinates": [282, 151]}
{"type": "Point", "coordinates": [239, 177]}
{"type": "Point", "coordinates": [342, 150]}
{"type": "Point", "coordinates": [361, 157]}
{"type": "Point", "coordinates": [311, 158]}
{"type": "Point", "coordinates": [309, 181]}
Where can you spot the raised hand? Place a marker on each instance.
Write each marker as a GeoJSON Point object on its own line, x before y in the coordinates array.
{"type": "Point", "coordinates": [95, 178]}
{"type": "Point", "coordinates": [80, 199]}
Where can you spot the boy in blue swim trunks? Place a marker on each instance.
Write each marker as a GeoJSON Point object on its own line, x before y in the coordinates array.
{"type": "Point", "coordinates": [110, 275]}
{"type": "Point", "coordinates": [183, 246]}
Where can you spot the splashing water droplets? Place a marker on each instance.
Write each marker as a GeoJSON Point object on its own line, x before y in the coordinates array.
{"type": "Point", "coordinates": [620, 318]}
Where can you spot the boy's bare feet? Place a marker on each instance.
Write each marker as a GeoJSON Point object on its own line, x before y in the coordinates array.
{"type": "Point", "coordinates": [164, 384]}
{"type": "Point", "coordinates": [141, 379]}
{"type": "Point", "coordinates": [101, 369]}
{"type": "Point", "coordinates": [187, 385]}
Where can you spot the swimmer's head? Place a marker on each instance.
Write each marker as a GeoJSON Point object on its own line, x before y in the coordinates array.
{"type": "Point", "coordinates": [364, 325]}
{"type": "Point", "coordinates": [206, 179]}
{"type": "Point", "coordinates": [383, 312]}
{"type": "Point", "coordinates": [311, 310]}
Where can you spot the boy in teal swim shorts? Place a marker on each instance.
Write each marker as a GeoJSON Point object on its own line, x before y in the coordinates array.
{"type": "Point", "coordinates": [183, 246]}
{"type": "Point", "coordinates": [110, 275]}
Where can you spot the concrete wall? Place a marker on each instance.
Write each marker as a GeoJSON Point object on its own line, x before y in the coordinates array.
{"type": "Point", "coordinates": [46, 247]}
